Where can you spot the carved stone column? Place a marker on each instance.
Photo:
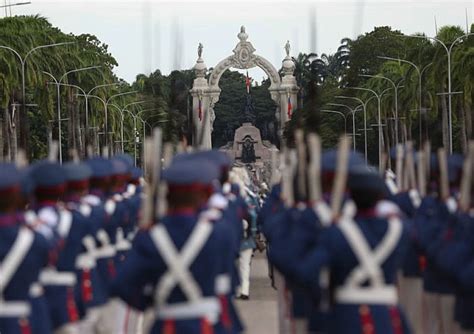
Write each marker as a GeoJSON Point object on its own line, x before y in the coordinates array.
{"type": "Point", "coordinates": [288, 88]}
{"type": "Point", "coordinates": [200, 93]}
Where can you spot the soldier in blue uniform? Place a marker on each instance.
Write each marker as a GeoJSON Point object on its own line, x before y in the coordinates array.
{"type": "Point", "coordinates": [89, 292]}
{"type": "Point", "coordinates": [227, 200]}
{"type": "Point", "coordinates": [59, 278]}
{"type": "Point", "coordinates": [102, 211]}
{"type": "Point", "coordinates": [23, 253]}
{"type": "Point", "coordinates": [433, 216]}
{"type": "Point", "coordinates": [173, 266]}
{"type": "Point", "coordinates": [363, 255]}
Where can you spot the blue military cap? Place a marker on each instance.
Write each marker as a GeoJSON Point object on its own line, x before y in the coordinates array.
{"type": "Point", "coordinates": [100, 167]}
{"type": "Point", "coordinates": [219, 158]}
{"type": "Point", "coordinates": [136, 173]}
{"type": "Point", "coordinates": [193, 171]}
{"type": "Point", "coordinates": [455, 166]}
{"type": "Point", "coordinates": [366, 178]}
{"type": "Point", "coordinates": [10, 177]}
{"type": "Point", "coordinates": [77, 171]}
{"type": "Point", "coordinates": [434, 163]}
{"type": "Point", "coordinates": [27, 184]}
{"type": "Point", "coordinates": [329, 160]}
{"type": "Point", "coordinates": [47, 174]}
{"type": "Point", "coordinates": [129, 161]}
{"type": "Point", "coordinates": [119, 167]}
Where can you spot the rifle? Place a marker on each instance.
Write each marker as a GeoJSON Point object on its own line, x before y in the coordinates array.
{"type": "Point", "coordinates": [398, 166]}
{"type": "Point", "coordinates": [466, 184]}
{"type": "Point", "coordinates": [443, 174]}
{"type": "Point", "coordinates": [301, 163]}
{"type": "Point", "coordinates": [53, 151]}
{"type": "Point", "coordinates": [339, 185]}
{"type": "Point", "coordinates": [314, 172]}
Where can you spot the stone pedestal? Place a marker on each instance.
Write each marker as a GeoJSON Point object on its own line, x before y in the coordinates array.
{"type": "Point", "coordinates": [262, 150]}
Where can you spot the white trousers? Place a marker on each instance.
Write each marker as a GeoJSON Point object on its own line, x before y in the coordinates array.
{"type": "Point", "coordinates": [285, 319]}
{"type": "Point", "coordinates": [411, 294]}
{"type": "Point", "coordinates": [112, 317]}
{"type": "Point", "coordinates": [244, 265]}
{"type": "Point", "coordinates": [71, 328]}
{"type": "Point", "coordinates": [447, 315]}
{"type": "Point", "coordinates": [90, 323]}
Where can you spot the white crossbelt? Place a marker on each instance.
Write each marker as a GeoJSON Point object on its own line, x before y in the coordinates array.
{"type": "Point", "coordinates": [205, 307]}
{"type": "Point", "coordinates": [121, 243]}
{"type": "Point", "coordinates": [369, 268]}
{"type": "Point", "coordinates": [9, 267]}
{"type": "Point", "coordinates": [107, 249]}
{"type": "Point", "coordinates": [53, 277]}
{"type": "Point", "coordinates": [223, 284]}
{"type": "Point", "coordinates": [87, 259]}
{"type": "Point", "coordinates": [36, 290]}
{"type": "Point", "coordinates": [178, 274]}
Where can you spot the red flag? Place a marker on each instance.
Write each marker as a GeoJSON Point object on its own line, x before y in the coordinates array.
{"type": "Point", "coordinates": [290, 107]}
{"type": "Point", "coordinates": [200, 109]}
{"type": "Point", "coordinates": [247, 83]}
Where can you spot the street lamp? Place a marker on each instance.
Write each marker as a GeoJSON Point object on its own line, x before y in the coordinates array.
{"type": "Point", "coordinates": [88, 94]}
{"type": "Point", "coordinates": [395, 88]}
{"type": "Point", "coordinates": [351, 110]}
{"type": "Point", "coordinates": [379, 116]}
{"type": "Point", "coordinates": [338, 113]}
{"type": "Point", "coordinates": [106, 104]}
{"type": "Point", "coordinates": [419, 87]}
{"type": "Point", "coordinates": [58, 92]}
{"type": "Point", "coordinates": [122, 118]}
{"type": "Point", "coordinates": [23, 65]}
{"type": "Point", "coordinates": [448, 52]}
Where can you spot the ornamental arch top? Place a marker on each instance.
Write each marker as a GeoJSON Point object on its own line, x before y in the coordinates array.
{"type": "Point", "coordinates": [283, 90]}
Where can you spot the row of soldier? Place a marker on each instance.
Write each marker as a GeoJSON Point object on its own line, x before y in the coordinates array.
{"type": "Point", "coordinates": [90, 247]}
{"type": "Point", "coordinates": [355, 250]}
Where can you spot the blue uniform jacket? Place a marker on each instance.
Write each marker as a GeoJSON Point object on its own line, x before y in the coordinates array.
{"type": "Point", "coordinates": [19, 286]}
{"type": "Point", "coordinates": [144, 266]}
{"type": "Point", "coordinates": [334, 252]}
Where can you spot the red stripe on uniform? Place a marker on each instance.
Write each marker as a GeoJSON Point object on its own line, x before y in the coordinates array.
{"type": "Point", "coordinates": [169, 327]}
{"type": "Point", "coordinates": [206, 327]}
{"type": "Point", "coordinates": [366, 320]}
{"type": "Point", "coordinates": [396, 320]}
{"type": "Point", "coordinates": [71, 306]}
{"type": "Point", "coordinates": [225, 316]}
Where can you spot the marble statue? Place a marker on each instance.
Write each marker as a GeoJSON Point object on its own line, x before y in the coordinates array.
{"type": "Point", "coordinates": [287, 48]}
{"type": "Point", "coordinates": [200, 47]}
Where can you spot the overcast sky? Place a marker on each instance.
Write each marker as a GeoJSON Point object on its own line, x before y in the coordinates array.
{"type": "Point", "coordinates": [144, 35]}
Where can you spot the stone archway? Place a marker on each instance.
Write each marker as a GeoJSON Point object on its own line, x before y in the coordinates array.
{"type": "Point", "coordinates": [206, 93]}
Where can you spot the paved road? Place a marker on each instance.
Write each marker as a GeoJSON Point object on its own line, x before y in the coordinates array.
{"type": "Point", "coordinates": [260, 312]}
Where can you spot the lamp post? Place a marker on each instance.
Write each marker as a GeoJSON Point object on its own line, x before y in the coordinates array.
{"type": "Point", "coordinates": [122, 118]}
{"type": "Point", "coordinates": [338, 113]}
{"type": "Point", "coordinates": [87, 95]}
{"type": "Point", "coordinates": [379, 117]}
{"type": "Point", "coordinates": [419, 87]}
{"type": "Point", "coordinates": [448, 52]}
{"type": "Point", "coordinates": [351, 110]}
{"type": "Point", "coordinates": [395, 88]}
{"type": "Point", "coordinates": [106, 104]}
{"type": "Point", "coordinates": [58, 92]}
{"type": "Point", "coordinates": [23, 66]}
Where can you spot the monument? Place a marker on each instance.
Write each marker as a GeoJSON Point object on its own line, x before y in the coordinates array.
{"type": "Point", "coordinates": [205, 91]}
{"type": "Point", "coordinates": [248, 148]}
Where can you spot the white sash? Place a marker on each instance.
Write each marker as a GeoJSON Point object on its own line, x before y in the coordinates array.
{"type": "Point", "coordinates": [369, 268]}
{"type": "Point", "coordinates": [178, 274]}
{"type": "Point", "coordinates": [8, 268]}
{"type": "Point", "coordinates": [179, 262]}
